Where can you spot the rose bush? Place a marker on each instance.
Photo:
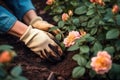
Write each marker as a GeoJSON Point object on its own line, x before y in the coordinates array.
{"type": "Point", "coordinates": [6, 56]}
{"type": "Point", "coordinates": [98, 24]}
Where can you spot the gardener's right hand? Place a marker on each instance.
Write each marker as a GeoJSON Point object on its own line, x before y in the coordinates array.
{"type": "Point", "coordinates": [42, 43]}
{"type": "Point", "coordinates": [40, 24]}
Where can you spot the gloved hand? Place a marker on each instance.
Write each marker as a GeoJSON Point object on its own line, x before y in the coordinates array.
{"type": "Point", "coordinates": [43, 25]}
{"type": "Point", "coordinates": [42, 43]}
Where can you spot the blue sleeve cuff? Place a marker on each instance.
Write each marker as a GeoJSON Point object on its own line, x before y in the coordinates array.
{"type": "Point", "coordinates": [20, 7]}
{"type": "Point", "coordinates": [7, 20]}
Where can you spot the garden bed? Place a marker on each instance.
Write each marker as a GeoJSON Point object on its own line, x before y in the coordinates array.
{"type": "Point", "coordinates": [91, 43]}
{"type": "Point", "coordinates": [31, 64]}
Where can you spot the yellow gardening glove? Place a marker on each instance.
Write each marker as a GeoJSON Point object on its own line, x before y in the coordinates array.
{"type": "Point", "coordinates": [43, 25]}
{"type": "Point", "coordinates": [42, 44]}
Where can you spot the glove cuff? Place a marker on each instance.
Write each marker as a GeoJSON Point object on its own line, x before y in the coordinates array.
{"type": "Point", "coordinates": [27, 32]}
{"type": "Point", "coordinates": [35, 19]}
{"type": "Point", "coordinates": [28, 35]}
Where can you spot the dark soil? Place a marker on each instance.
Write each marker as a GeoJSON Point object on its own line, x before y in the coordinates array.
{"type": "Point", "coordinates": [33, 67]}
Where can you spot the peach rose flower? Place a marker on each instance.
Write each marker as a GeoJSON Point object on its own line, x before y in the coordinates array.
{"type": "Point", "coordinates": [70, 12]}
{"type": "Point", "coordinates": [115, 9]}
{"type": "Point", "coordinates": [50, 2]}
{"type": "Point", "coordinates": [100, 2]}
{"type": "Point", "coordinates": [65, 16]}
{"type": "Point", "coordinates": [101, 63]}
{"type": "Point", "coordinates": [5, 57]}
{"type": "Point", "coordinates": [82, 32]}
{"type": "Point", "coordinates": [92, 1]}
{"type": "Point", "coordinates": [70, 39]}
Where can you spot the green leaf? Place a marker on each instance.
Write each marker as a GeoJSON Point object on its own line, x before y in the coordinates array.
{"type": "Point", "coordinates": [76, 21]}
{"type": "Point", "coordinates": [117, 45]}
{"type": "Point", "coordinates": [5, 47]}
{"type": "Point", "coordinates": [71, 27]}
{"type": "Point", "coordinates": [87, 3]}
{"type": "Point", "coordinates": [97, 47]}
{"type": "Point", "coordinates": [62, 46]}
{"type": "Point", "coordinates": [93, 31]}
{"type": "Point", "coordinates": [101, 22]}
{"type": "Point", "coordinates": [58, 10]}
{"type": "Point", "coordinates": [115, 68]}
{"type": "Point", "coordinates": [92, 73]}
{"type": "Point", "coordinates": [53, 28]}
{"type": "Point", "coordinates": [84, 24]}
{"type": "Point", "coordinates": [91, 6]}
{"type": "Point", "coordinates": [74, 3]}
{"type": "Point", "coordinates": [83, 18]}
{"type": "Point", "coordinates": [108, 15]}
{"type": "Point", "coordinates": [47, 8]}
{"type": "Point", "coordinates": [107, 0]}
{"type": "Point", "coordinates": [111, 20]}
{"type": "Point", "coordinates": [114, 73]}
{"type": "Point", "coordinates": [89, 38]}
{"type": "Point", "coordinates": [78, 72]}
{"type": "Point", "coordinates": [56, 18]}
{"type": "Point", "coordinates": [91, 23]}
{"type": "Point", "coordinates": [21, 78]}
{"type": "Point", "coordinates": [16, 71]}
{"type": "Point", "coordinates": [112, 34]}
{"type": "Point", "coordinates": [118, 19]}
{"type": "Point", "coordinates": [73, 47]}
{"type": "Point", "coordinates": [80, 10]}
{"type": "Point", "coordinates": [61, 24]}
{"type": "Point", "coordinates": [110, 50]}
{"type": "Point", "coordinates": [88, 65]}
{"type": "Point", "coordinates": [84, 49]}
{"type": "Point", "coordinates": [9, 77]}
{"type": "Point", "coordinates": [79, 59]}
{"type": "Point", "coordinates": [82, 61]}
{"type": "Point", "coordinates": [58, 37]}
{"type": "Point", "coordinates": [2, 72]}
{"type": "Point", "coordinates": [76, 57]}
{"type": "Point", "coordinates": [81, 40]}
{"type": "Point", "coordinates": [90, 12]}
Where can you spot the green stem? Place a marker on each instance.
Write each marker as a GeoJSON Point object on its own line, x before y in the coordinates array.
{"type": "Point", "coordinates": [107, 76]}
{"type": "Point", "coordinates": [99, 14]}
{"type": "Point", "coordinates": [114, 18]}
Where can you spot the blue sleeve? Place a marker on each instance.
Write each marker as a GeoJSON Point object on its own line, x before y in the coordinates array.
{"type": "Point", "coordinates": [20, 7]}
{"type": "Point", "coordinates": [7, 20]}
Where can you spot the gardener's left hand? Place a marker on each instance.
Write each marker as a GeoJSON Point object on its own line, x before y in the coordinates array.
{"type": "Point", "coordinates": [43, 25]}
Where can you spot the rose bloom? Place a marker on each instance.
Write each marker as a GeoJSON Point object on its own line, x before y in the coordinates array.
{"type": "Point", "coordinates": [101, 63]}
{"type": "Point", "coordinates": [50, 2]}
{"type": "Point", "coordinates": [100, 2]}
{"type": "Point", "coordinates": [5, 57]}
{"type": "Point", "coordinates": [70, 12]}
{"type": "Point", "coordinates": [70, 39]}
{"type": "Point", "coordinates": [115, 9]}
{"type": "Point", "coordinates": [65, 16]}
{"type": "Point", "coordinates": [82, 32]}
{"type": "Point", "coordinates": [92, 1]}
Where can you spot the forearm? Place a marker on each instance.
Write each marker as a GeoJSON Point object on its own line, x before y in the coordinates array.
{"type": "Point", "coordinates": [18, 29]}
{"type": "Point", "coordinates": [29, 16]}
